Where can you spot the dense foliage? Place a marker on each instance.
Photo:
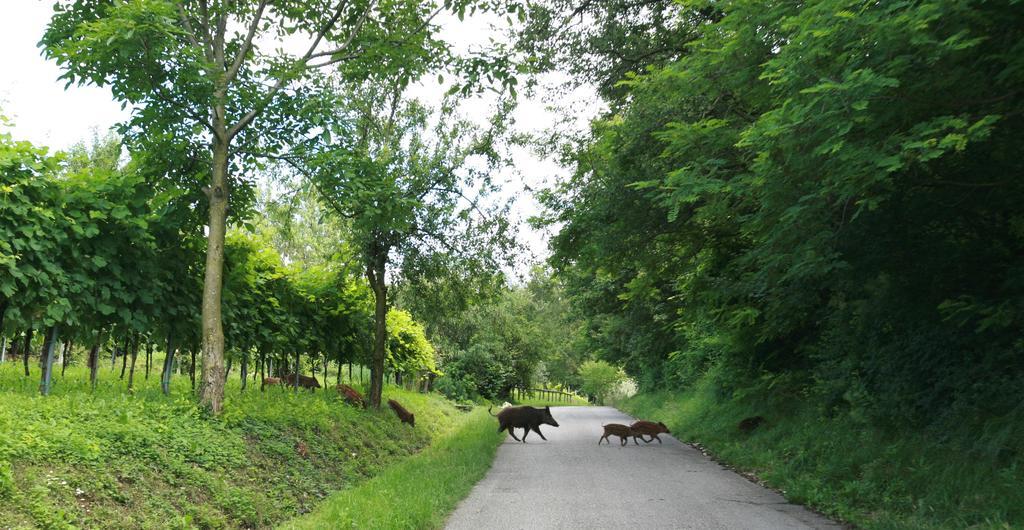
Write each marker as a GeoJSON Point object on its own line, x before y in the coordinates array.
{"type": "Point", "coordinates": [96, 254]}
{"type": "Point", "coordinates": [822, 189]}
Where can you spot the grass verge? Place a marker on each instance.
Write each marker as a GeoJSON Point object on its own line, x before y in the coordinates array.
{"type": "Point", "coordinates": [418, 492]}
{"type": "Point", "coordinates": [850, 468]}
{"type": "Point", "coordinates": [111, 458]}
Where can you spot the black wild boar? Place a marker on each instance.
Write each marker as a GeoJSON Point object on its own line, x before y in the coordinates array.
{"type": "Point", "coordinates": [648, 428]}
{"type": "Point", "coordinates": [404, 415]}
{"type": "Point", "coordinates": [615, 429]}
{"type": "Point", "coordinates": [749, 424]}
{"type": "Point", "coordinates": [305, 381]}
{"type": "Point", "coordinates": [526, 418]}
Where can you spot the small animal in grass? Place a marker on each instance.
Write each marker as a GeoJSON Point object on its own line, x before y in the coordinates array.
{"type": "Point", "coordinates": [404, 415]}
{"type": "Point", "coordinates": [351, 395]}
{"type": "Point", "coordinates": [747, 425]}
{"type": "Point", "coordinates": [526, 418]}
{"type": "Point", "coordinates": [268, 381]}
{"type": "Point", "coordinates": [617, 429]}
{"type": "Point", "coordinates": [302, 449]}
{"type": "Point", "coordinates": [305, 381]}
{"type": "Point", "coordinates": [644, 428]}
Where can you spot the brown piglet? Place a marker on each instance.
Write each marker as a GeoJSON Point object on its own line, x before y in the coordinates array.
{"type": "Point", "coordinates": [351, 395]}
{"type": "Point", "coordinates": [615, 429]}
{"type": "Point", "coordinates": [404, 415]}
{"type": "Point", "coordinates": [644, 428]}
{"type": "Point", "coordinates": [305, 381]}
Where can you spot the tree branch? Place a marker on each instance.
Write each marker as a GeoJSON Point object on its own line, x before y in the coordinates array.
{"type": "Point", "coordinates": [309, 177]}
{"type": "Point", "coordinates": [207, 37]}
{"type": "Point", "coordinates": [247, 43]}
{"type": "Point", "coordinates": [251, 115]}
{"type": "Point", "coordinates": [183, 16]}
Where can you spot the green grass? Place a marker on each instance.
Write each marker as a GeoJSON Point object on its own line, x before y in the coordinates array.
{"type": "Point", "coordinates": [418, 492]}
{"type": "Point", "coordinates": [113, 459]}
{"type": "Point", "coordinates": [850, 468]}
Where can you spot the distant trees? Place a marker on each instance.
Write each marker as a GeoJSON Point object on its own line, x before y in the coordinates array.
{"type": "Point", "coordinates": [505, 337]}
{"type": "Point", "coordinates": [600, 379]}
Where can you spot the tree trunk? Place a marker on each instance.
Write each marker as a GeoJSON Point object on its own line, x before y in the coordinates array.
{"type": "Point", "coordinates": [124, 358]}
{"type": "Point", "coordinates": [296, 372]}
{"type": "Point", "coordinates": [48, 346]}
{"type": "Point", "coordinates": [27, 348]}
{"type": "Point", "coordinates": [135, 355]}
{"type": "Point", "coordinates": [165, 375]}
{"type": "Point", "coordinates": [192, 374]}
{"type": "Point", "coordinates": [149, 357]}
{"type": "Point", "coordinates": [66, 357]}
{"type": "Point", "coordinates": [211, 389]}
{"type": "Point", "coordinates": [15, 352]}
{"type": "Point", "coordinates": [3, 349]}
{"type": "Point", "coordinates": [228, 371]}
{"type": "Point", "coordinates": [376, 275]}
{"type": "Point", "coordinates": [94, 362]}
{"type": "Point", "coordinates": [263, 361]}
{"type": "Point", "coordinates": [245, 369]}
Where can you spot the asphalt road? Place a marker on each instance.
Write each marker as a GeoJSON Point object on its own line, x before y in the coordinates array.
{"type": "Point", "coordinates": [571, 482]}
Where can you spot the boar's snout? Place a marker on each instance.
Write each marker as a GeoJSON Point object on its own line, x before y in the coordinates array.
{"type": "Point", "coordinates": [548, 418]}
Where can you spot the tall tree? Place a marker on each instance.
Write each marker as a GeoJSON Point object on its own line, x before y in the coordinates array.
{"type": "Point", "coordinates": [407, 189]}
{"type": "Point", "coordinates": [197, 72]}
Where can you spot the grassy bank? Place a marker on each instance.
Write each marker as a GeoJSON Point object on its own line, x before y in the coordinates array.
{"type": "Point", "coordinates": [418, 492]}
{"type": "Point", "coordinates": [851, 468]}
{"type": "Point", "coordinates": [113, 459]}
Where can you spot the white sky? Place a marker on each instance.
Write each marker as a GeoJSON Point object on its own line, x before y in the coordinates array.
{"type": "Point", "coordinates": [46, 114]}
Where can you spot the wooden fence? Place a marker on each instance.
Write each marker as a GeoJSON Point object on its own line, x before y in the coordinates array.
{"type": "Point", "coordinates": [557, 396]}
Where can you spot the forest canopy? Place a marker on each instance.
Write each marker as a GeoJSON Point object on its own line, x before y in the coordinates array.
{"type": "Point", "coordinates": [824, 191]}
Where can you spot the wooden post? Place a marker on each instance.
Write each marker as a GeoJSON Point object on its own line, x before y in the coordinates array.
{"type": "Point", "coordinates": [165, 374]}
{"type": "Point", "coordinates": [50, 343]}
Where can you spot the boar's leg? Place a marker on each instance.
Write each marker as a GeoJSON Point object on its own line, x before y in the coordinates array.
{"type": "Point", "coordinates": [656, 437]}
{"type": "Point", "coordinates": [536, 429]}
{"type": "Point", "coordinates": [512, 431]}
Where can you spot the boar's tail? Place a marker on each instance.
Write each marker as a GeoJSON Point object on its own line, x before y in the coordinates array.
{"type": "Point", "coordinates": [491, 413]}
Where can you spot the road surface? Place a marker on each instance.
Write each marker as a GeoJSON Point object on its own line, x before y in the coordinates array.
{"type": "Point", "coordinates": [571, 482]}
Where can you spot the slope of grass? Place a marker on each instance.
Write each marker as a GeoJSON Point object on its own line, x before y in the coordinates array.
{"type": "Point", "coordinates": [113, 459]}
{"type": "Point", "coordinates": [850, 468]}
{"type": "Point", "coordinates": [418, 492]}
